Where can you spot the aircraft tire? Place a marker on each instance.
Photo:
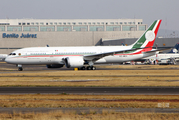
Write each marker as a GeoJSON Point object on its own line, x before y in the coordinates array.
{"type": "Point", "coordinates": [82, 68]}
{"type": "Point", "coordinates": [93, 68]}
{"type": "Point", "coordinates": [20, 69]}
{"type": "Point", "coordinates": [88, 68]}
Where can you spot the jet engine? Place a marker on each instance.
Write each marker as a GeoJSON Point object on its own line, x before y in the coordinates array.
{"type": "Point", "coordinates": [55, 66]}
{"type": "Point", "coordinates": [73, 62]}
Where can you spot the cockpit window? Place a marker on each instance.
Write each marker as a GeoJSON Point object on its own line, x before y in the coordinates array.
{"type": "Point", "coordinates": [12, 54]}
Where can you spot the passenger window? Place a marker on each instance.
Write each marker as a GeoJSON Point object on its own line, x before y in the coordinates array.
{"type": "Point", "coordinates": [10, 54]}
{"type": "Point", "coordinates": [13, 53]}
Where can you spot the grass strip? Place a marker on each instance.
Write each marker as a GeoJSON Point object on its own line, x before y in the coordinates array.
{"type": "Point", "coordinates": [105, 115]}
{"type": "Point", "coordinates": [75, 101]}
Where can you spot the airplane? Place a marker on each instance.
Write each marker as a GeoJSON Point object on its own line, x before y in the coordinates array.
{"type": "Point", "coordinates": [171, 55]}
{"type": "Point", "coordinates": [77, 57]}
{"type": "Point", "coordinates": [3, 56]}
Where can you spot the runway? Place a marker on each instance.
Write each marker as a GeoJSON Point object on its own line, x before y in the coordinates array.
{"type": "Point", "coordinates": [87, 110]}
{"type": "Point", "coordinates": [92, 90]}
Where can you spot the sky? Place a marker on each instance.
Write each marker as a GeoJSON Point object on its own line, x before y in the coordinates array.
{"type": "Point", "coordinates": [148, 10]}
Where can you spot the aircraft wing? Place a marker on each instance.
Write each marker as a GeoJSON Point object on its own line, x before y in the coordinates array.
{"type": "Point", "coordinates": [101, 55]}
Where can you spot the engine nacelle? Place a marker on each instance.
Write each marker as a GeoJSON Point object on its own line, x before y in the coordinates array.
{"type": "Point", "coordinates": [55, 66]}
{"type": "Point", "coordinates": [74, 62]}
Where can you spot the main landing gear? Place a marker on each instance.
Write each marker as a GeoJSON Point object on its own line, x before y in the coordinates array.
{"type": "Point", "coordinates": [87, 68]}
{"type": "Point", "coordinates": [19, 67]}
{"type": "Point", "coordinates": [91, 68]}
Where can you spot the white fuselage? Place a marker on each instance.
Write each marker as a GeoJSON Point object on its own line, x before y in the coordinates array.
{"type": "Point", "coordinates": [54, 55]}
{"type": "Point", "coordinates": [163, 56]}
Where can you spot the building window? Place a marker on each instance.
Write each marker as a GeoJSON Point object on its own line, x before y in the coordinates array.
{"type": "Point", "coordinates": [4, 24]}
{"type": "Point", "coordinates": [35, 28]}
{"type": "Point", "coordinates": [45, 28]}
{"type": "Point", "coordinates": [125, 23]}
{"type": "Point", "coordinates": [116, 23]}
{"type": "Point", "coordinates": [102, 23]}
{"type": "Point", "coordinates": [96, 28]}
{"type": "Point", "coordinates": [49, 29]}
{"type": "Point", "coordinates": [19, 23]}
{"type": "Point", "coordinates": [37, 23]}
{"type": "Point", "coordinates": [85, 23]}
{"type": "Point", "coordinates": [98, 23]}
{"type": "Point", "coordinates": [41, 23]}
{"type": "Point", "coordinates": [55, 23]}
{"type": "Point", "coordinates": [63, 28]}
{"type": "Point", "coordinates": [59, 23]}
{"type": "Point", "coordinates": [32, 23]}
{"type": "Point", "coordinates": [99, 29]}
{"type": "Point", "coordinates": [94, 23]}
{"type": "Point", "coordinates": [80, 28]}
{"type": "Point", "coordinates": [69, 23]}
{"type": "Point", "coordinates": [23, 23]}
{"type": "Point", "coordinates": [89, 23]}
{"type": "Point", "coordinates": [121, 23]}
{"type": "Point", "coordinates": [129, 28]}
{"type": "Point", "coordinates": [73, 23]}
{"type": "Point", "coordinates": [14, 28]}
{"type": "Point", "coordinates": [113, 28]}
{"type": "Point", "coordinates": [142, 28]}
{"type": "Point", "coordinates": [51, 23]}
{"type": "Point", "coordinates": [80, 23]}
{"type": "Point", "coordinates": [2, 28]}
{"type": "Point", "coordinates": [112, 23]}
{"type": "Point", "coordinates": [64, 23]}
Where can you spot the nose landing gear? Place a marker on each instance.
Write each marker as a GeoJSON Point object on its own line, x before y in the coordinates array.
{"type": "Point", "coordinates": [19, 67]}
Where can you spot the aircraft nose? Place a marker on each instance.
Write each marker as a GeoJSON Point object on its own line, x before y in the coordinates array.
{"type": "Point", "coordinates": [7, 60]}
{"type": "Point", "coordinates": [10, 60]}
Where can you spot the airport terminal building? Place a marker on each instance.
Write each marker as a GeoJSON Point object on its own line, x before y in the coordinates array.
{"type": "Point", "coordinates": [20, 33]}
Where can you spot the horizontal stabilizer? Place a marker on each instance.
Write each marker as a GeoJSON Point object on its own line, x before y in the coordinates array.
{"type": "Point", "coordinates": [159, 50]}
